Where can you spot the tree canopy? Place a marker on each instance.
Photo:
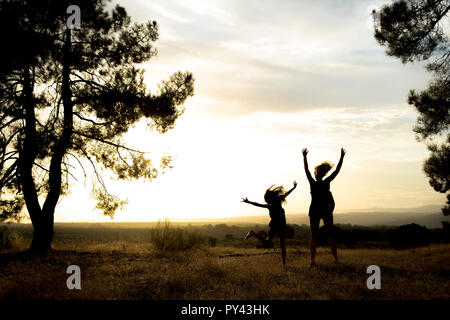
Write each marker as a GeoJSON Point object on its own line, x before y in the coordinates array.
{"type": "Point", "coordinates": [417, 30]}
{"type": "Point", "coordinates": [73, 94]}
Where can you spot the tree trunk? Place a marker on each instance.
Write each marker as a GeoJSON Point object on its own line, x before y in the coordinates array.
{"type": "Point", "coordinates": [43, 234]}
{"type": "Point", "coordinates": [27, 156]}
{"type": "Point", "coordinates": [43, 218]}
{"type": "Point", "coordinates": [43, 228]}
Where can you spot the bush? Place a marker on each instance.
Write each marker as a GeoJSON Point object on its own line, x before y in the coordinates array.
{"type": "Point", "coordinates": [212, 241]}
{"type": "Point", "coordinates": [165, 238]}
{"type": "Point", "coordinates": [8, 239]}
{"type": "Point", "coordinates": [409, 236]}
{"type": "Point", "coordinates": [290, 232]}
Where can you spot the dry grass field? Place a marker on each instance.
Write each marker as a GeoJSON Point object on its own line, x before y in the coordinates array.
{"type": "Point", "coordinates": [128, 270]}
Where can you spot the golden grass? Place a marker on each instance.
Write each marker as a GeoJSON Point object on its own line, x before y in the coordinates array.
{"type": "Point", "coordinates": [125, 270]}
{"type": "Point", "coordinates": [165, 238]}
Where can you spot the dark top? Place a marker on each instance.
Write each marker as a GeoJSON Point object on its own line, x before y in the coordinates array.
{"type": "Point", "coordinates": [276, 213]}
{"type": "Point", "coordinates": [322, 202]}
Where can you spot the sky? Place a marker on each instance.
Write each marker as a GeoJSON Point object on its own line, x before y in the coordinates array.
{"type": "Point", "coordinates": [271, 78]}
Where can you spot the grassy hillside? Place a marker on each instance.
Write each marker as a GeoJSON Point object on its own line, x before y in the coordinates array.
{"type": "Point", "coordinates": [137, 263]}
{"type": "Point", "coordinates": [121, 270]}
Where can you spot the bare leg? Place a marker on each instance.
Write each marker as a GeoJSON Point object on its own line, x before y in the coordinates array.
{"type": "Point", "coordinates": [262, 239]}
{"type": "Point", "coordinates": [313, 246]}
{"type": "Point", "coordinates": [333, 248]}
{"type": "Point", "coordinates": [314, 224]}
{"type": "Point", "coordinates": [283, 250]}
{"type": "Point", "coordinates": [329, 227]}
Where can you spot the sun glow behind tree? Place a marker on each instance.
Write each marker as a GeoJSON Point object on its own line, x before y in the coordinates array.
{"type": "Point", "coordinates": [266, 86]}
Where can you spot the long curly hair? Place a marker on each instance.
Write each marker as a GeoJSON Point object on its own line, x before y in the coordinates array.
{"type": "Point", "coordinates": [322, 169]}
{"type": "Point", "coordinates": [275, 194]}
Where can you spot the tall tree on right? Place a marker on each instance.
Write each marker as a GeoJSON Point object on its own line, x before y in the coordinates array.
{"type": "Point", "coordinates": [417, 30]}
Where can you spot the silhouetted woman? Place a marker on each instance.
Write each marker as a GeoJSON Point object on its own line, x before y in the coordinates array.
{"type": "Point", "coordinates": [274, 197]}
{"type": "Point", "coordinates": [322, 202]}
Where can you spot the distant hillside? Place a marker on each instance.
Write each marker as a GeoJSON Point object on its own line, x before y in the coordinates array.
{"type": "Point", "coordinates": [421, 210]}
{"type": "Point", "coordinates": [429, 216]}
{"type": "Point", "coordinates": [430, 220]}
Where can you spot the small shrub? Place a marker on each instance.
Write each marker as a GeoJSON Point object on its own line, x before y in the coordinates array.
{"type": "Point", "coordinates": [323, 235]}
{"type": "Point", "coordinates": [212, 241]}
{"type": "Point", "coordinates": [229, 236]}
{"type": "Point", "coordinates": [410, 236]}
{"type": "Point", "coordinates": [290, 232]}
{"type": "Point", "coordinates": [8, 239]}
{"type": "Point", "coordinates": [165, 238]}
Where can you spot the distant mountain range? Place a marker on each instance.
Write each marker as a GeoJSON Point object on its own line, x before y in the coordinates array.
{"type": "Point", "coordinates": [429, 216]}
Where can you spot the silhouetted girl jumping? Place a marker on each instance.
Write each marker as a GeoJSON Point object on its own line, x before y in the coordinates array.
{"type": "Point", "coordinates": [322, 202]}
{"type": "Point", "coordinates": [275, 196]}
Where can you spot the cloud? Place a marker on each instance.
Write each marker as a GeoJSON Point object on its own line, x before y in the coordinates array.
{"type": "Point", "coordinates": [273, 77]}
{"type": "Point", "coordinates": [283, 56]}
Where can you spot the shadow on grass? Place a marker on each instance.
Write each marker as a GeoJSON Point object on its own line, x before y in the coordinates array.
{"type": "Point", "coordinates": [22, 256]}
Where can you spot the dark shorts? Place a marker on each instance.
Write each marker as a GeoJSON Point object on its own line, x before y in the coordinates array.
{"type": "Point", "coordinates": [277, 227]}
{"type": "Point", "coordinates": [314, 221]}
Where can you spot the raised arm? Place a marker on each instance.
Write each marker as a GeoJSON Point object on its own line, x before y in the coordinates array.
{"type": "Point", "coordinates": [254, 203]}
{"type": "Point", "coordinates": [338, 168]}
{"type": "Point", "coordinates": [305, 162]}
{"type": "Point", "coordinates": [292, 189]}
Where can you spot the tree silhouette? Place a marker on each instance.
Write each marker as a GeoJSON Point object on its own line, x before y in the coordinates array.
{"type": "Point", "coordinates": [72, 94]}
{"type": "Point", "coordinates": [416, 30]}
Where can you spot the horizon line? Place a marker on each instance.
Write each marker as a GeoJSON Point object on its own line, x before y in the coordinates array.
{"type": "Point", "coordinates": [209, 219]}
